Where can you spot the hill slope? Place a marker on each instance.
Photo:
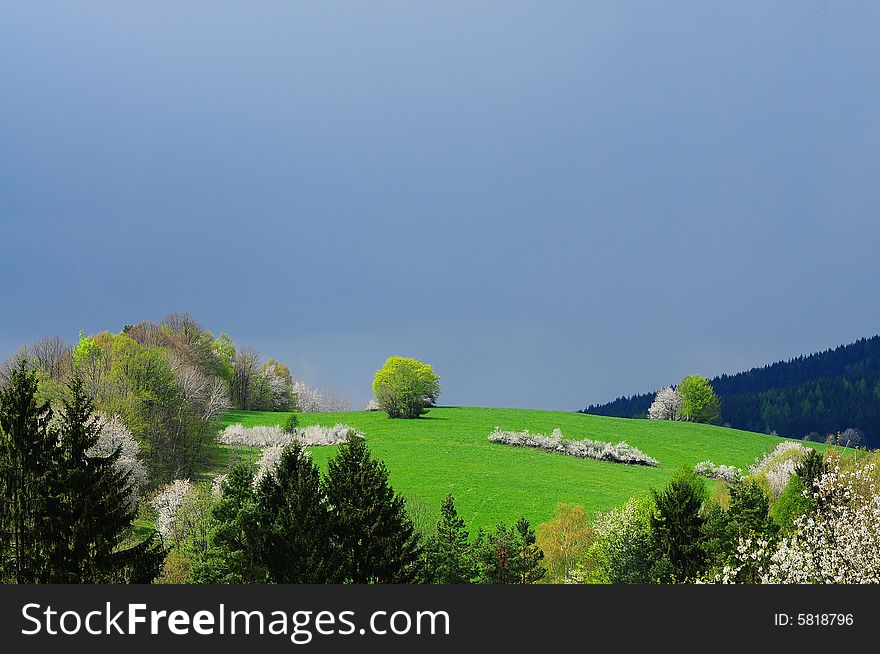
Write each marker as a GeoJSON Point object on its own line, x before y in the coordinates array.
{"type": "Point", "coordinates": [825, 393]}
{"type": "Point", "coordinates": [447, 451]}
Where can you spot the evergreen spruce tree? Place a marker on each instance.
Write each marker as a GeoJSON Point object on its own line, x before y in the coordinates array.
{"type": "Point", "coordinates": [233, 556]}
{"type": "Point", "coordinates": [295, 543]}
{"type": "Point", "coordinates": [375, 538]}
{"type": "Point", "coordinates": [90, 545]}
{"type": "Point", "coordinates": [29, 507]}
{"type": "Point", "coordinates": [677, 527]}
{"type": "Point", "coordinates": [448, 553]}
{"type": "Point", "coordinates": [66, 516]}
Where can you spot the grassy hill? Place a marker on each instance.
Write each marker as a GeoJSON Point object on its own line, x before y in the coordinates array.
{"type": "Point", "coordinates": [447, 451]}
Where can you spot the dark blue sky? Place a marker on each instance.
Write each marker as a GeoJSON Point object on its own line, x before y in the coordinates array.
{"type": "Point", "coordinates": [552, 203]}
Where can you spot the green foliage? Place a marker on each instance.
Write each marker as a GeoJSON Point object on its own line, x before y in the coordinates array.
{"type": "Point", "coordinates": [296, 527]}
{"type": "Point", "coordinates": [405, 387]}
{"type": "Point", "coordinates": [295, 537]}
{"type": "Point", "coordinates": [623, 551]}
{"type": "Point", "coordinates": [290, 424]}
{"type": "Point", "coordinates": [509, 555]}
{"type": "Point", "coordinates": [449, 557]}
{"type": "Point", "coordinates": [86, 349]}
{"type": "Point", "coordinates": [231, 557]}
{"type": "Point", "coordinates": [747, 516]}
{"type": "Point", "coordinates": [29, 459]}
{"type": "Point", "coordinates": [792, 504]}
{"type": "Point", "coordinates": [677, 526]}
{"type": "Point", "coordinates": [565, 540]}
{"type": "Point", "coordinates": [66, 516]}
{"type": "Point", "coordinates": [699, 401]}
{"type": "Point", "coordinates": [375, 537]}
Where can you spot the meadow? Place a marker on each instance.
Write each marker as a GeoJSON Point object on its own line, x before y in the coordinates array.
{"type": "Point", "coordinates": [447, 451]}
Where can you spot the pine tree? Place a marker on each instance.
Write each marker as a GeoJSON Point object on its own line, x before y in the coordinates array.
{"type": "Point", "coordinates": [375, 538]}
{"type": "Point", "coordinates": [29, 509]}
{"type": "Point", "coordinates": [449, 556]}
{"type": "Point", "coordinates": [677, 525]}
{"type": "Point", "coordinates": [295, 541]}
{"type": "Point", "coordinates": [65, 515]}
{"type": "Point", "coordinates": [232, 556]}
{"type": "Point", "coordinates": [96, 513]}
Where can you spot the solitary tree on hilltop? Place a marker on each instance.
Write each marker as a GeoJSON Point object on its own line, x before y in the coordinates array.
{"type": "Point", "coordinates": [699, 403]}
{"type": "Point", "coordinates": [405, 387]}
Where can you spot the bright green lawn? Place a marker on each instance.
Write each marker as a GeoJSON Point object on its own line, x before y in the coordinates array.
{"type": "Point", "coordinates": [447, 451]}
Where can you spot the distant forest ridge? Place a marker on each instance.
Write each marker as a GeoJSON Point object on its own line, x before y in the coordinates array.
{"type": "Point", "coordinates": [812, 395]}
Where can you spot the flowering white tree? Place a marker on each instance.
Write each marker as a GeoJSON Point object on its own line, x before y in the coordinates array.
{"type": "Point", "coordinates": [777, 467]}
{"type": "Point", "coordinates": [208, 394]}
{"type": "Point", "coordinates": [167, 503]}
{"type": "Point", "coordinates": [270, 457]}
{"type": "Point", "coordinates": [115, 435]}
{"type": "Point", "coordinates": [313, 400]}
{"type": "Point", "coordinates": [666, 405]}
{"type": "Point", "coordinates": [839, 543]}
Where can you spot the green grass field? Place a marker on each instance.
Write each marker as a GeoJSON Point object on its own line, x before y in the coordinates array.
{"type": "Point", "coordinates": [447, 451]}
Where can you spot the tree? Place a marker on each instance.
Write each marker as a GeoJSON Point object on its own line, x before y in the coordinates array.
{"type": "Point", "coordinates": [449, 556]}
{"type": "Point", "coordinates": [96, 512]}
{"type": "Point", "coordinates": [676, 525]}
{"type": "Point", "coordinates": [66, 513]}
{"type": "Point", "coordinates": [405, 387]}
{"type": "Point", "coordinates": [666, 406]}
{"type": "Point", "coordinates": [510, 555]}
{"type": "Point", "coordinates": [564, 540]}
{"type": "Point", "coordinates": [623, 551]}
{"type": "Point", "coordinates": [848, 438]}
{"type": "Point", "coordinates": [295, 538]}
{"type": "Point", "coordinates": [747, 517]}
{"type": "Point", "coordinates": [231, 557]}
{"type": "Point", "coordinates": [245, 372]}
{"type": "Point", "coordinates": [290, 424]}
{"type": "Point", "coordinates": [375, 537]}
{"type": "Point", "coordinates": [29, 460]}
{"type": "Point", "coordinates": [699, 403]}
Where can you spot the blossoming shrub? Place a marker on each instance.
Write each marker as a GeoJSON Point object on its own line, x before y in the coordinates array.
{"type": "Point", "coordinates": [838, 542]}
{"type": "Point", "coordinates": [721, 472]}
{"type": "Point", "coordinates": [261, 436]}
{"type": "Point", "coordinates": [622, 550]}
{"type": "Point", "coordinates": [776, 468]}
{"type": "Point", "coordinates": [585, 449]}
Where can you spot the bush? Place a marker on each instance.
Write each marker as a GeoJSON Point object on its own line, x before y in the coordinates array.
{"type": "Point", "coordinates": [584, 449]}
{"type": "Point", "coordinates": [720, 472]}
{"type": "Point", "coordinates": [290, 424]}
{"type": "Point", "coordinates": [623, 551]}
{"type": "Point", "coordinates": [405, 387]}
{"type": "Point", "coordinates": [261, 436]}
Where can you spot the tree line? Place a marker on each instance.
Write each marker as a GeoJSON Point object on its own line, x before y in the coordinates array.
{"type": "Point", "coordinates": [169, 382]}
{"type": "Point", "coordinates": [814, 395]}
